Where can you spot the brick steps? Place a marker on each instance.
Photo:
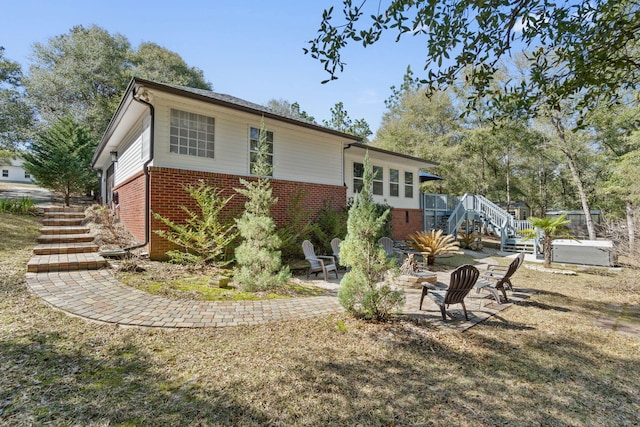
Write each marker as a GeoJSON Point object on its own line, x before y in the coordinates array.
{"type": "Point", "coordinates": [65, 245]}
{"type": "Point", "coordinates": [61, 222]}
{"type": "Point", "coordinates": [65, 248]}
{"type": "Point", "coordinates": [65, 229]}
{"type": "Point", "coordinates": [65, 238]}
{"type": "Point", "coordinates": [64, 215]}
{"type": "Point", "coordinates": [66, 262]}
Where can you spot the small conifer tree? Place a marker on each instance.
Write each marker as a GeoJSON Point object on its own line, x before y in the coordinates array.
{"type": "Point", "coordinates": [364, 292]}
{"type": "Point", "coordinates": [205, 235]}
{"type": "Point", "coordinates": [60, 158]}
{"type": "Point", "coordinates": [258, 258]}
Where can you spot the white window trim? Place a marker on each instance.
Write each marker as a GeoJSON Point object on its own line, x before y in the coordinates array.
{"type": "Point", "coordinates": [397, 183]}
{"type": "Point", "coordinates": [380, 181]}
{"type": "Point", "coordinates": [409, 184]}
{"type": "Point", "coordinates": [206, 149]}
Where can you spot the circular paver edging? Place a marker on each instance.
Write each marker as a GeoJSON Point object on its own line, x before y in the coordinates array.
{"type": "Point", "coordinates": [97, 295]}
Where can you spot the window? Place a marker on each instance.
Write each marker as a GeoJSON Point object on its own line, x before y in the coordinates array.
{"type": "Point", "coordinates": [408, 185]}
{"type": "Point", "coordinates": [254, 139]}
{"type": "Point", "coordinates": [27, 175]}
{"type": "Point", "coordinates": [394, 182]}
{"type": "Point", "coordinates": [191, 134]}
{"type": "Point", "coordinates": [5, 173]}
{"type": "Point", "coordinates": [358, 174]}
{"type": "Point", "coordinates": [378, 182]}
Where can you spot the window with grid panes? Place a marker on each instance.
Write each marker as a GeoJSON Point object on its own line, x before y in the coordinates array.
{"type": "Point", "coordinates": [378, 181]}
{"type": "Point", "coordinates": [254, 139]}
{"type": "Point", "coordinates": [408, 185]}
{"type": "Point", "coordinates": [191, 134]}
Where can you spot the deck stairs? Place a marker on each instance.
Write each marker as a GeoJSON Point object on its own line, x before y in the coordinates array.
{"type": "Point", "coordinates": [475, 209]}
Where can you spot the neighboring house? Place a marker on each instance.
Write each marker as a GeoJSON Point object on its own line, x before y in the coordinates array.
{"type": "Point", "coordinates": [14, 172]}
{"type": "Point", "coordinates": [163, 137]}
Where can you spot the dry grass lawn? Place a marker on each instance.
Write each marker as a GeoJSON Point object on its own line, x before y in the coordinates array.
{"type": "Point", "coordinates": [541, 362]}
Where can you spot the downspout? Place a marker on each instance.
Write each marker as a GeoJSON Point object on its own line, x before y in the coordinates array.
{"type": "Point", "coordinates": [147, 180]}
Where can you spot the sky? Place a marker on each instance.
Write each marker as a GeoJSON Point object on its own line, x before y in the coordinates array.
{"type": "Point", "coordinates": [250, 49]}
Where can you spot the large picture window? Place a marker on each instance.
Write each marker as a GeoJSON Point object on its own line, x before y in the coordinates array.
{"type": "Point", "coordinates": [254, 139]}
{"type": "Point", "coordinates": [191, 134]}
{"type": "Point", "coordinates": [378, 180]}
{"type": "Point", "coordinates": [394, 182]}
{"type": "Point", "coordinates": [408, 185]}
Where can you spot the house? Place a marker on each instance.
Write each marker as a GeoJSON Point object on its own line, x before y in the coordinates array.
{"type": "Point", "coordinates": [14, 172]}
{"type": "Point", "coordinates": [164, 136]}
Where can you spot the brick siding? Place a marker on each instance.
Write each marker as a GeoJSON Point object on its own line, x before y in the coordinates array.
{"type": "Point", "coordinates": [405, 222]}
{"type": "Point", "coordinates": [131, 205]}
{"type": "Point", "coordinates": [168, 196]}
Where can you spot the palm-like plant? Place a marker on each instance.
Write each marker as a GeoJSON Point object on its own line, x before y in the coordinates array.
{"type": "Point", "coordinates": [552, 228]}
{"type": "Point", "coordinates": [432, 243]}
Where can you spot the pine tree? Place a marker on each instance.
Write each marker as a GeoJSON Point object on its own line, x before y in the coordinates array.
{"type": "Point", "coordinates": [363, 289]}
{"type": "Point", "coordinates": [59, 159]}
{"type": "Point", "coordinates": [259, 263]}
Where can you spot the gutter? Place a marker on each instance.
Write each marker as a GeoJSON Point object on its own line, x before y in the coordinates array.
{"type": "Point", "coordinates": [145, 168]}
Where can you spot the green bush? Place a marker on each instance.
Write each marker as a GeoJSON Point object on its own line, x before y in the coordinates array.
{"type": "Point", "coordinates": [22, 205]}
{"type": "Point", "coordinates": [329, 223]}
{"type": "Point", "coordinates": [298, 227]}
{"type": "Point", "coordinates": [205, 235]}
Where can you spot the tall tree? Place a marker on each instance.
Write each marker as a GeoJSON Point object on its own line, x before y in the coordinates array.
{"type": "Point", "coordinates": [84, 72]}
{"type": "Point", "coordinates": [154, 62]}
{"type": "Point", "coordinates": [577, 153]}
{"type": "Point", "coordinates": [59, 158]}
{"type": "Point", "coordinates": [585, 50]}
{"type": "Point", "coordinates": [16, 117]}
{"type": "Point", "coordinates": [424, 127]}
{"type": "Point", "coordinates": [341, 121]}
{"type": "Point", "coordinates": [284, 107]}
{"type": "Point", "coordinates": [80, 74]}
{"type": "Point", "coordinates": [616, 134]}
{"type": "Point", "coordinates": [624, 184]}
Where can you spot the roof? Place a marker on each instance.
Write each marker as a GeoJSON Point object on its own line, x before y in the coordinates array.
{"type": "Point", "coordinates": [421, 163]}
{"type": "Point", "coordinates": [238, 104]}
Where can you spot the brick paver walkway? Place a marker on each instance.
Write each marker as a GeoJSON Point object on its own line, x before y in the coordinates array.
{"type": "Point", "coordinates": [99, 296]}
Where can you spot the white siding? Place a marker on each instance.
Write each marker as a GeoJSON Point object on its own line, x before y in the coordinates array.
{"type": "Point", "coordinates": [131, 151]}
{"type": "Point", "coordinates": [401, 201]}
{"type": "Point", "coordinates": [300, 154]}
{"type": "Point", "coordinates": [15, 172]}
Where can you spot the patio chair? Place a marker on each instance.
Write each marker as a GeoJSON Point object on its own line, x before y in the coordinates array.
{"type": "Point", "coordinates": [387, 245]}
{"type": "Point", "coordinates": [498, 278]}
{"type": "Point", "coordinates": [462, 281]}
{"type": "Point", "coordinates": [318, 263]}
{"type": "Point", "coordinates": [335, 247]}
